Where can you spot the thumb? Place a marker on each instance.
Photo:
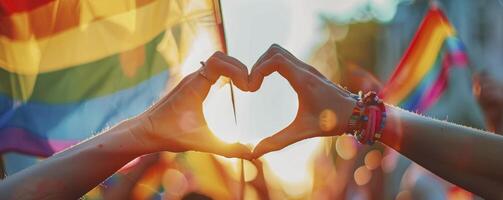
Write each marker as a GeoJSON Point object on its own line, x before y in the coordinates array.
{"type": "Point", "coordinates": [234, 150]}
{"type": "Point", "coordinates": [209, 143]}
{"type": "Point", "coordinates": [280, 140]}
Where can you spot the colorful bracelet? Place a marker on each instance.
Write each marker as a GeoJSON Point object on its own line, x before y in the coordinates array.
{"type": "Point", "coordinates": [368, 118]}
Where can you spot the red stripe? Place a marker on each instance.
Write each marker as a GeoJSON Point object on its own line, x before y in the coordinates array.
{"type": "Point", "coordinates": [9, 7]}
{"type": "Point", "coordinates": [51, 19]}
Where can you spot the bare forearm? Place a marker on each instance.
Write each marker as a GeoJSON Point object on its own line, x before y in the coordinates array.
{"type": "Point", "coordinates": [73, 172]}
{"type": "Point", "coordinates": [464, 156]}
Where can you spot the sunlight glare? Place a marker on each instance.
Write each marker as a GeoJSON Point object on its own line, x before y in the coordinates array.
{"type": "Point", "coordinates": [292, 165]}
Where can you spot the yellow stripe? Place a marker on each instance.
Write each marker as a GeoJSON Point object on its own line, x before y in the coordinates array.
{"type": "Point", "coordinates": [421, 65]}
{"type": "Point", "coordinates": [96, 40]}
{"type": "Point", "coordinates": [58, 16]}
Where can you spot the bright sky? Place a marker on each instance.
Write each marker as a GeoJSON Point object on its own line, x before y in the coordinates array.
{"type": "Point", "coordinates": [251, 27]}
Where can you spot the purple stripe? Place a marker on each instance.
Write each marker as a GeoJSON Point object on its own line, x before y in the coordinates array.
{"type": "Point", "coordinates": [458, 59]}
{"type": "Point", "coordinates": [20, 140]}
{"type": "Point", "coordinates": [434, 93]}
{"type": "Point", "coordinates": [455, 57]}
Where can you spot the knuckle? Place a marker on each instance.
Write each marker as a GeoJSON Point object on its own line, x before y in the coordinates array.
{"type": "Point", "coordinates": [212, 61]}
{"type": "Point", "coordinates": [277, 57]}
{"type": "Point", "coordinates": [273, 49]}
{"type": "Point", "coordinates": [218, 53]}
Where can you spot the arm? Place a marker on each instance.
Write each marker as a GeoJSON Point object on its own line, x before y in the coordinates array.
{"type": "Point", "coordinates": [175, 123]}
{"type": "Point", "coordinates": [73, 172]}
{"type": "Point", "coordinates": [467, 157]}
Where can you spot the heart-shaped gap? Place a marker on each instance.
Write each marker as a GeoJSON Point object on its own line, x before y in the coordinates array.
{"type": "Point", "coordinates": [259, 114]}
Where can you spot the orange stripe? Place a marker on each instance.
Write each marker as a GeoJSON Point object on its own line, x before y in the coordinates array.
{"type": "Point", "coordinates": [408, 67]}
{"type": "Point", "coordinates": [58, 16]}
{"type": "Point", "coordinates": [102, 38]}
{"type": "Point", "coordinates": [419, 65]}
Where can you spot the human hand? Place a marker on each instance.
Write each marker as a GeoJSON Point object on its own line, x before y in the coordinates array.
{"type": "Point", "coordinates": [176, 123]}
{"type": "Point", "coordinates": [324, 108]}
{"type": "Point", "coordinates": [489, 93]}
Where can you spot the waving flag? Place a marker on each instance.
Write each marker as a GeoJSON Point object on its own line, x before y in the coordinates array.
{"type": "Point", "coordinates": [69, 69]}
{"type": "Point", "coordinates": [433, 78]}
{"type": "Point", "coordinates": [422, 75]}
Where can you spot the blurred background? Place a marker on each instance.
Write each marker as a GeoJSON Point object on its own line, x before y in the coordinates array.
{"type": "Point", "coordinates": [358, 44]}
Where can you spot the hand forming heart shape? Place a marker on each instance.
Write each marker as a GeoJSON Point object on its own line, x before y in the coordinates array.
{"type": "Point", "coordinates": [176, 123]}
{"type": "Point", "coordinates": [257, 114]}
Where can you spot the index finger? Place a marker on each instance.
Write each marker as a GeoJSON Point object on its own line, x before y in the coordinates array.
{"type": "Point", "coordinates": [223, 65]}
{"type": "Point", "coordinates": [217, 65]}
{"type": "Point", "coordinates": [275, 49]}
{"type": "Point", "coordinates": [278, 63]}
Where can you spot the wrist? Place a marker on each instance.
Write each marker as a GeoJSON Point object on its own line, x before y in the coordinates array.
{"type": "Point", "coordinates": [393, 129]}
{"type": "Point", "coordinates": [347, 110]}
{"type": "Point", "coordinates": [140, 128]}
{"type": "Point", "coordinates": [342, 104]}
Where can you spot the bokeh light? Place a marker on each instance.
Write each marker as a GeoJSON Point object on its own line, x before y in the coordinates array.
{"type": "Point", "coordinates": [328, 120]}
{"type": "Point", "coordinates": [373, 159]}
{"type": "Point", "coordinates": [346, 146]}
{"type": "Point", "coordinates": [362, 175]}
{"type": "Point", "coordinates": [175, 183]}
{"type": "Point", "coordinates": [291, 166]}
{"type": "Point", "coordinates": [389, 161]}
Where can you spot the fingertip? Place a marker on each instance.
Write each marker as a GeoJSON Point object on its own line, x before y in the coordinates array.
{"type": "Point", "coordinates": [238, 150]}
{"type": "Point", "coordinates": [257, 153]}
{"type": "Point", "coordinates": [242, 84]}
{"type": "Point", "coordinates": [254, 82]}
{"type": "Point", "coordinates": [262, 148]}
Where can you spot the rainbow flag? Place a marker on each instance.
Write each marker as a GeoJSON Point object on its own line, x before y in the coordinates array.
{"type": "Point", "coordinates": [433, 78]}
{"type": "Point", "coordinates": [422, 75]}
{"type": "Point", "coordinates": [70, 68]}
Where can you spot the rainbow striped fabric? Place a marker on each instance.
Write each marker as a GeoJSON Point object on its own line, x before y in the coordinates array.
{"type": "Point", "coordinates": [432, 78]}
{"type": "Point", "coordinates": [70, 68]}
{"type": "Point", "coordinates": [422, 75]}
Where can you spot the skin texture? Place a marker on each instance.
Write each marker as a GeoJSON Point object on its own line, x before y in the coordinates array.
{"type": "Point", "coordinates": [317, 96]}
{"type": "Point", "coordinates": [467, 157]}
{"type": "Point", "coordinates": [175, 124]}
{"type": "Point", "coordinates": [464, 156]}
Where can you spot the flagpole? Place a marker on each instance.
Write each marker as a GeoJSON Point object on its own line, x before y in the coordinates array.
{"type": "Point", "coordinates": [220, 24]}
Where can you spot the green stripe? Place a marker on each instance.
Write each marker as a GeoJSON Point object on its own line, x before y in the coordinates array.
{"type": "Point", "coordinates": [90, 80]}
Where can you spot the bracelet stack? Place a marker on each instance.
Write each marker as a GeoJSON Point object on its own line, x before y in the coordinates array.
{"type": "Point", "coordinates": [368, 118]}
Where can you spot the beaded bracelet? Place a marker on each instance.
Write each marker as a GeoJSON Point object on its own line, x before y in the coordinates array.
{"type": "Point", "coordinates": [368, 118]}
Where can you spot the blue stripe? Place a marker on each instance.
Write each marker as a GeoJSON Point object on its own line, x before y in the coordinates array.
{"type": "Point", "coordinates": [411, 102]}
{"type": "Point", "coordinates": [78, 121]}
{"type": "Point", "coordinates": [454, 44]}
